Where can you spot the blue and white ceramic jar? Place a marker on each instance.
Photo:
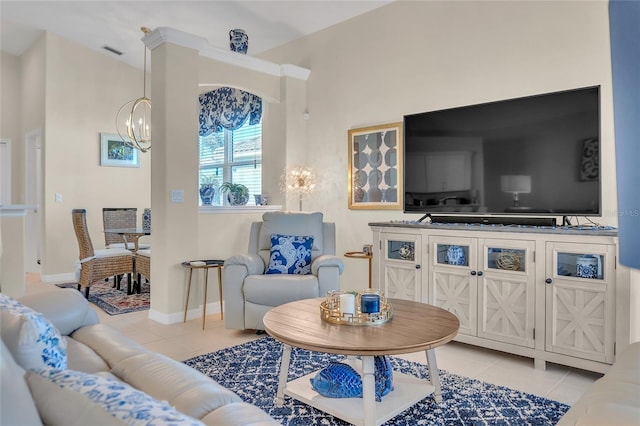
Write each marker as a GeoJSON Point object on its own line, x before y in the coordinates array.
{"type": "Point", "coordinates": [146, 219]}
{"type": "Point", "coordinates": [238, 41]}
{"type": "Point", "coordinates": [587, 266]}
{"type": "Point", "coordinates": [455, 255]}
{"type": "Point", "coordinates": [207, 191]}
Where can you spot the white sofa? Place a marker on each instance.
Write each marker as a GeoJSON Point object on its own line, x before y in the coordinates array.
{"type": "Point", "coordinates": [614, 399]}
{"type": "Point", "coordinates": [108, 357]}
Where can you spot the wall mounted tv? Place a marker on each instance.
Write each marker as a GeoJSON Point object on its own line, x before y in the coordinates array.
{"type": "Point", "coordinates": [533, 156]}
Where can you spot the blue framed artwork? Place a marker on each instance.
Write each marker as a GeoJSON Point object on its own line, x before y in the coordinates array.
{"type": "Point", "coordinates": [375, 167]}
{"type": "Point", "coordinates": [116, 153]}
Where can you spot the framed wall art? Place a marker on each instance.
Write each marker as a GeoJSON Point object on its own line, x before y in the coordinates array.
{"type": "Point", "coordinates": [115, 153]}
{"type": "Point", "coordinates": [375, 167]}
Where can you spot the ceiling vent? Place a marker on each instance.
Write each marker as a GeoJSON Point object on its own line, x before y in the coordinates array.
{"type": "Point", "coordinates": [112, 50]}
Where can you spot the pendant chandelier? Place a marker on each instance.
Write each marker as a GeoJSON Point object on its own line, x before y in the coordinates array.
{"type": "Point", "coordinates": [133, 120]}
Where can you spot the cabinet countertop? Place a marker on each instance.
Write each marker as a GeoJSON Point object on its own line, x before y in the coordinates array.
{"type": "Point", "coordinates": [608, 231]}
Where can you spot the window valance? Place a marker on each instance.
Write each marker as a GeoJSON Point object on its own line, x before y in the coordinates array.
{"type": "Point", "coordinates": [228, 108]}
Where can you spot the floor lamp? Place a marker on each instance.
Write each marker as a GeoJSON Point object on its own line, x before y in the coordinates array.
{"type": "Point", "coordinates": [299, 180]}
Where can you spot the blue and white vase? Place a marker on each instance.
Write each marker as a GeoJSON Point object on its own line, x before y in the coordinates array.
{"type": "Point", "coordinates": [146, 219]}
{"type": "Point", "coordinates": [455, 255]}
{"type": "Point", "coordinates": [587, 266]}
{"type": "Point", "coordinates": [238, 41]}
{"type": "Point", "coordinates": [207, 191]}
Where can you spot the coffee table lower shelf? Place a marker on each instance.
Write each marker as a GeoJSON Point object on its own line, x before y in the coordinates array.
{"type": "Point", "coordinates": [407, 391]}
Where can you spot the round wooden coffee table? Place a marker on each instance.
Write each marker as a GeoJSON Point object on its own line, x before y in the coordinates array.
{"type": "Point", "coordinates": [414, 327]}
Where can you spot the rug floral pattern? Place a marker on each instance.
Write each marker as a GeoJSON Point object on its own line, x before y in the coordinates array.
{"type": "Point", "coordinates": [114, 301]}
{"type": "Point", "coordinates": [251, 370]}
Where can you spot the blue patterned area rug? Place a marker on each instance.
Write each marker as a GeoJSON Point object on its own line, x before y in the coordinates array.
{"type": "Point", "coordinates": [114, 301]}
{"type": "Point", "coordinates": [251, 370]}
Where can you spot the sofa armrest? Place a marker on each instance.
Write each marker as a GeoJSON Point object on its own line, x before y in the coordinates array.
{"type": "Point", "coordinates": [252, 262]}
{"type": "Point", "coordinates": [236, 269]}
{"type": "Point", "coordinates": [326, 260]}
{"type": "Point", "coordinates": [328, 269]}
{"type": "Point", "coordinates": [66, 308]}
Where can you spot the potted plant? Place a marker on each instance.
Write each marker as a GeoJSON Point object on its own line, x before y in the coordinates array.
{"type": "Point", "coordinates": [207, 190]}
{"type": "Point", "coordinates": [237, 193]}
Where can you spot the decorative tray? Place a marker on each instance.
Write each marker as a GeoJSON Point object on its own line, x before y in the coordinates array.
{"type": "Point", "coordinates": [330, 309]}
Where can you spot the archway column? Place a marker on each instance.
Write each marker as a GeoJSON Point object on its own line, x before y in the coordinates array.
{"type": "Point", "coordinates": [174, 175]}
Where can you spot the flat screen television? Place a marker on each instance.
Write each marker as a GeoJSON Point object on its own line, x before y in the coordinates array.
{"type": "Point", "coordinates": [532, 156]}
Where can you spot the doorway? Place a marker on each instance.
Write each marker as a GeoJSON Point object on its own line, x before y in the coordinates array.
{"type": "Point", "coordinates": [33, 197]}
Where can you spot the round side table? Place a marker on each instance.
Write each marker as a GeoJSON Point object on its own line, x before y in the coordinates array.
{"type": "Point", "coordinates": [361, 255]}
{"type": "Point", "coordinates": [206, 265]}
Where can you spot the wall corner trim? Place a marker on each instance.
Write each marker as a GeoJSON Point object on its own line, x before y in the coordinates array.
{"type": "Point", "coordinates": [162, 35]}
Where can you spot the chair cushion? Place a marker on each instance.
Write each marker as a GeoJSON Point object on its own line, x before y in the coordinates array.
{"type": "Point", "coordinates": [290, 254]}
{"type": "Point", "coordinates": [285, 223]}
{"type": "Point", "coordinates": [274, 290]}
{"type": "Point", "coordinates": [30, 337]}
{"type": "Point", "coordinates": [111, 252]}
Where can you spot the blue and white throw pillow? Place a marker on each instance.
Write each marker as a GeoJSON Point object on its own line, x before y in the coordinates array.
{"type": "Point", "coordinates": [33, 341]}
{"type": "Point", "coordinates": [290, 254]}
{"type": "Point", "coordinates": [120, 400]}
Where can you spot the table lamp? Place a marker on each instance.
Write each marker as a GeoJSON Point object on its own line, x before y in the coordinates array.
{"type": "Point", "coordinates": [516, 185]}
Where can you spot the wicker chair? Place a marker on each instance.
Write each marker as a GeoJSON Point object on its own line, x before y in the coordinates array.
{"type": "Point", "coordinates": [120, 218]}
{"type": "Point", "coordinates": [96, 265]}
{"type": "Point", "coordinates": [143, 264]}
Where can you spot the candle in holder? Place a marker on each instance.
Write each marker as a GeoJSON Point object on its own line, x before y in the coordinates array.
{"type": "Point", "coordinates": [369, 303]}
{"type": "Point", "coordinates": [347, 304]}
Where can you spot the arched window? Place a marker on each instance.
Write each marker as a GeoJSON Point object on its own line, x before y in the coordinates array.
{"type": "Point", "coordinates": [231, 140]}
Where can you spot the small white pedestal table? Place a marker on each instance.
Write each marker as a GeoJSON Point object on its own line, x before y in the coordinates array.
{"type": "Point", "coordinates": [414, 327]}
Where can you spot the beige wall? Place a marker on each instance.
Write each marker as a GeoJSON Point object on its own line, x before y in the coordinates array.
{"type": "Point", "coordinates": [72, 94]}
{"type": "Point", "coordinates": [403, 58]}
{"type": "Point", "coordinates": [12, 255]}
{"type": "Point", "coordinates": [410, 57]}
{"type": "Point", "coordinates": [84, 91]}
{"type": "Point", "coordinates": [10, 107]}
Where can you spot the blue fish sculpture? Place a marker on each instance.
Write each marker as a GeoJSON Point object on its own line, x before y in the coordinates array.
{"type": "Point", "coordinates": [340, 380]}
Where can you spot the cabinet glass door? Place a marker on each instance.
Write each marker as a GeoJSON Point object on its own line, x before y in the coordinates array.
{"type": "Point", "coordinates": [580, 265]}
{"type": "Point", "coordinates": [452, 254]}
{"type": "Point", "coordinates": [401, 250]}
{"type": "Point", "coordinates": [506, 259]}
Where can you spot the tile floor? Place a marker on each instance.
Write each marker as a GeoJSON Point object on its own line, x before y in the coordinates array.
{"type": "Point", "coordinates": [185, 340]}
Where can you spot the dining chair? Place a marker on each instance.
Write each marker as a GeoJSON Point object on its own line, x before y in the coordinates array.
{"type": "Point", "coordinates": [97, 265]}
{"type": "Point", "coordinates": [143, 266]}
{"type": "Point", "coordinates": [120, 218]}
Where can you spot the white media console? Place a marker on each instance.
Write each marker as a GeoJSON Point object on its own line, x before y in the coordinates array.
{"type": "Point", "coordinates": [554, 294]}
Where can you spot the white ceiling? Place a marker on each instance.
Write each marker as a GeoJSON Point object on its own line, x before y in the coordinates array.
{"type": "Point", "coordinates": [117, 23]}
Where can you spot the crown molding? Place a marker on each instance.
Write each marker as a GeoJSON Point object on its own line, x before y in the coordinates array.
{"type": "Point", "coordinates": [169, 35]}
{"type": "Point", "coordinates": [162, 35]}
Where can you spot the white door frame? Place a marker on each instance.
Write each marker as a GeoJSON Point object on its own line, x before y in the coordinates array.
{"type": "Point", "coordinates": [34, 197]}
{"type": "Point", "coordinates": [5, 172]}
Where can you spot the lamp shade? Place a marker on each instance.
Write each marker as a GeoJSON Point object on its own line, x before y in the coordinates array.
{"type": "Point", "coordinates": [517, 184]}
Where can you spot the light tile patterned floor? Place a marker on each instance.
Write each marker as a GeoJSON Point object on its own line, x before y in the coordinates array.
{"type": "Point", "coordinates": [185, 340]}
